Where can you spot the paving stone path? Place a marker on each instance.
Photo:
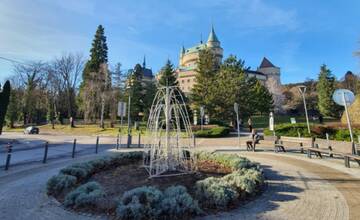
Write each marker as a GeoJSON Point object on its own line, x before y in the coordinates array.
{"type": "Point", "coordinates": [298, 188]}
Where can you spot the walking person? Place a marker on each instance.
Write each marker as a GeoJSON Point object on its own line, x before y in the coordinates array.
{"type": "Point", "coordinates": [250, 124]}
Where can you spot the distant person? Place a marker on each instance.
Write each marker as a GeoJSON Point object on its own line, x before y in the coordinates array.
{"type": "Point", "coordinates": [255, 138]}
{"type": "Point", "coordinates": [250, 124]}
{"type": "Point", "coordinates": [321, 119]}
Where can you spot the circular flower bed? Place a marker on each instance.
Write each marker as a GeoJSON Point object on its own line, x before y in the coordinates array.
{"type": "Point", "coordinates": [118, 186]}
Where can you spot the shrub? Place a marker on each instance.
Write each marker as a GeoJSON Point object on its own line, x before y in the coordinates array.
{"type": "Point", "coordinates": [140, 203]}
{"type": "Point", "coordinates": [213, 132]}
{"type": "Point", "coordinates": [245, 180]}
{"type": "Point", "coordinates": [59, 183]}
{"type": "Point", "coordinates": [85, 195]}
{"type": "Point", "coordinates": [178, 203]}
{"type": "Point", "coordinates": [79, 172]}
{"type": "Point", "coordinates": [233, 161]}
{"type": "Point", "coordinates": [215, 192]}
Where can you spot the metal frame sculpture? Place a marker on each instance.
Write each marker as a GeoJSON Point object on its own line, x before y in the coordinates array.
{"type": "Point", "coordinates": [169, 150]}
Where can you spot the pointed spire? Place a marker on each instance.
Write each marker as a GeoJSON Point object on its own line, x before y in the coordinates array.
{"type": "Point", "coordinates": [144, 62]}
{"type": "Point", "coordinates": [266, 63]}
{"type": "Point", "coordinates": [212, 35]}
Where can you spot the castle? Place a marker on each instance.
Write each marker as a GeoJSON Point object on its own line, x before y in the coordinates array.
{"type": "Point", "coordinates": [267, 73]}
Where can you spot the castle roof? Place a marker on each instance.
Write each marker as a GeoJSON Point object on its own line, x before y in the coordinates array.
{"type": "Point", "coordinates": [266, 63]}
{"type": "Point", "coordinates": [212, 36]}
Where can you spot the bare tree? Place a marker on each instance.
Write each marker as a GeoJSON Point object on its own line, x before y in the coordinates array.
{"type": "Point", "coordinates": [69, 67]}
{"type": "Point", "coordinates": [31, 76]}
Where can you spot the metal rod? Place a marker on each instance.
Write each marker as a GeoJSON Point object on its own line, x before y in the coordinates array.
{"type": "Point", "coordinates": [306, 113]}
{"type": "Point", "coordinates": [8, 157]}
{"type": "Point", "coordinates": [73, 150]}
{"type": "Point", "coordinates": [117, 142]}
{"type": "Point", "coordinates": [46, 151]}
{"type": "Point", "coordinates": [129, 121]}
{"type": "Point", "coordinates": [97, 144]}
{"type": "Point", "coordinates": [139, 140]}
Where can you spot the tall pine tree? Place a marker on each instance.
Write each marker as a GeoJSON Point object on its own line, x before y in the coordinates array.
{"type": "Point", "coordinates": [325, 88]}
{"type": "Point", "coordinates": [167, 75]}
{"type": "Point", "coordinates": [95, 77]}
{"type": "Point", "coordinates": [98, 53]}
{"type": "Point", "coordinates": [207, 69]}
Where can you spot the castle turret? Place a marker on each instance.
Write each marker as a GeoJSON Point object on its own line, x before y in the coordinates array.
{"type": "Point", "coordinates": [273, 82]}
{"type": "Point", "coordinates": [213, 41]}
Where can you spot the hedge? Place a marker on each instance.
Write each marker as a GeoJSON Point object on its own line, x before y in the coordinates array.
{"type": "Point", "coordinates": [318, 131]}
{"type": "Point", "coordinates": [213, 132]}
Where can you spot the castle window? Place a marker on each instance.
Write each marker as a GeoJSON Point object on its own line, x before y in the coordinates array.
{"type": "Point", "coordinates": [182, 81]}
{"type": "Point", "coordinates": [188, 80]}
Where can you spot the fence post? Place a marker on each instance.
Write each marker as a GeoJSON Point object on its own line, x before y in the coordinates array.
{"type": "Point", "coordinates": [194, 140]}
{"type": "Point", "coordinates": [46, 151]}
{"type": "Point", "coordinates": [97, 144]}
{"type": "Point", "coordinates": [73, 150]}
{"type": "Point", "coordinates": [117, 142]}
{"type": "Point", "coordinates": [139, 140]}
{"type": "Point", "coordinates": [8, 157]}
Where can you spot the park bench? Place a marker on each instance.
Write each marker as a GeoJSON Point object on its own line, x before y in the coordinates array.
{"type": "Point", "coordinates": [302, 142]}
{"type": "Point", "coordinates": [319, 151]}
{"type": "Point", "coordinates": [348, 157]}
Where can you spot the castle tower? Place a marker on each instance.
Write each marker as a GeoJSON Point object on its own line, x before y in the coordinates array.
{"type": "Point", "coordinates": [214, 44]}
{"type": "Point", "coordinates": [273, 82]}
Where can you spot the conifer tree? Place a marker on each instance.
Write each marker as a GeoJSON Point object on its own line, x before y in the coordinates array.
{"type": "Point", "coordinates": [207, 69]}
{"type": "Point", "coordinates": [263, 99]}
{"type": "Point", "coordinates": [136, 90]}
{"type": "Point", "coordinates": [4, 102]}
{"type": "Point", "coordinates": [167, 75]}
{"type": "Point", "coordinates": [98, 53]}
{"type": "Point", "coordinates": [325, 89]}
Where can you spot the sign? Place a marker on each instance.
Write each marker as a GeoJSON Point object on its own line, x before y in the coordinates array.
{"type": "Point", "coordinates": [271, 122]}
{"type": "Point", "coordinates": [202, 111]}
{"type": "Point", "coordinates": [121, 109]}
{"type": "Point", "coordinates": [207, 119]}
{"type": "Point", "coordinates": [340, 94]}
{"type": "Point", "coordinates": [236, 108]}
{"type": "Point", "coordinates": [293, 120]}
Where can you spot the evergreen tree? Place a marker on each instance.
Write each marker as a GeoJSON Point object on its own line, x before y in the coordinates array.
{"type": "Point", "coordinates": [263, 99]}
{"type": "Point", "coordinates": [98, 53]}
{"type": "Point", "coordinates": [230, 87]}
{"type": "Point", "coordinates": [4, 101]}
{"type": "Point", "coordinates": [96, 80]}
{"type": "Point", "coordinates": [207, 69]}
{"type": "Point", "coordinates": [14, 110]}
{"type": "Point", "coordinates": [167, 75]}
{"type": "Point", "coordinates": [325, 89]}
{"type": "Point", "coordinates": [136, 91]}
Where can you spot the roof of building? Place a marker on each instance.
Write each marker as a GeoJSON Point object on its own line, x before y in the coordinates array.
{"type": "Point", "coordinates": [266, 63]}
{"type": "Point", "coordinates": [196, 48]}
{"type": "Point", "coordinates": [212, 36]}
{"type": "Point", "coordinates": [254, 72]}
{"type": "Point", "coordinates": [147, 72]}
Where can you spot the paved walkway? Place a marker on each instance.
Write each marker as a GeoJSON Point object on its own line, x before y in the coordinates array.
{"type": "Point", "coordinates": [298, 188]}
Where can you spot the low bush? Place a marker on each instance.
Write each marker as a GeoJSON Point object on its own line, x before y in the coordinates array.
{"type": "Point", "coordinates": [213, 132]}
{"type": "Point", "coordinates": [245, 180]}
{"type": "Point", "coordinates": [151, 203]}
{"type": "Point", "coordinates": [233, 161]}
{"type": "Point", "coordinates": [178, 203]}
{"type": "Point", "coordinates": [215, 192]}
{"type": "Point", "coordinates": [85, 195]}
{"type": "Point", "coordinates": [140, 203]}
{"type": "Point", "coordinates": [60, 183]}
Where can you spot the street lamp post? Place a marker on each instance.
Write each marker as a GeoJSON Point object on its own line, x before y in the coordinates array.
{"type": "Point", "coordinates": [236, 109]}
{"type": "Point", "coordinates": [202, 112]}
{"type": "Point", "coordinates": [302, 90]}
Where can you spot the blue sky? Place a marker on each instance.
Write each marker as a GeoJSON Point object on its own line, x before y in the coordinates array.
{"type": "Point", "coordinates": [297, 36]}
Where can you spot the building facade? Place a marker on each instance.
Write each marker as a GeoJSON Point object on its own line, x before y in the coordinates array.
{"type": "Point", "coordinates": [267, 73]}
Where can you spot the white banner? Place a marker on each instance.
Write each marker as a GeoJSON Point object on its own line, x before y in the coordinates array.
{"type": "Point", "coordinates": [121, 109]}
